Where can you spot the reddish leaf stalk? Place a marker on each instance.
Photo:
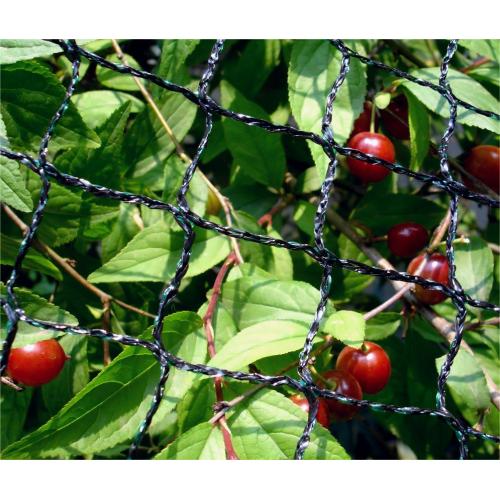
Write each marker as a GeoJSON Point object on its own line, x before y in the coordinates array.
{"type": "Point", "coordinates": [209, 332]}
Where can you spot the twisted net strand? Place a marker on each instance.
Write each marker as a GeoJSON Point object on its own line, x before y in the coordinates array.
{"type": "Point", "coordinates": [187, 220]}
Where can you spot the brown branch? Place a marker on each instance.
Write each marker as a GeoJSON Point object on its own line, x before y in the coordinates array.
{"type": "Point", "coordinates": [65, 264]}
{"type": "Point", "coordinates": [7, 381]}
{"type": "Point", "coordinates": [443, 326]}
{"type": "Point", "coordinates": [477, 325]}
{"type": "Point", "coordinates": [267, 218]}
{"type": "Point", "coordinates": [178, 146]}
{"type": "Point", "coordinates": [475, 64]}
{"type": "Point", "coordinates": [209, 333]}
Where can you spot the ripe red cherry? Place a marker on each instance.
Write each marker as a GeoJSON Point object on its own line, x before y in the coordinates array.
{"type": "Point", "coordinates": [374, 144]}
{"type": "Point", "coordinates": [36, 364]}
{"type": "Point", "coordinates": [362, 123]}
{"type": "Point", "coordinates": [436, 269]}
{"type": "Point", "coordinates": [395, 118]}
{"type": "Point", "coordinates": [342, 383]}
{"type": "Point", "coordinates": [483, 162]}
{"type": "Point", "coordinates": [370, 366]}
{"type": "Point", "coordinates": [322, 415]}
{"type": "Point", "coordinates": [406, 239]}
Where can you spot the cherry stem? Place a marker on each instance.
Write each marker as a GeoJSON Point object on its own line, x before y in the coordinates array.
{"type": "Point", "coordinates": [372, 117]}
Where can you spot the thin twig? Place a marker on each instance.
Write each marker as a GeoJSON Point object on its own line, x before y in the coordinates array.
{"type": "Point", "coordinates": [7, 381]}
{"type": "Point", "coordinates": [475, 64]}
{"type": "Point", "coordinates": [69, 269]}
{"type": "Point", "coordinates": [178, 146]}
{"type": "Point", "coordinates": [477, 325]}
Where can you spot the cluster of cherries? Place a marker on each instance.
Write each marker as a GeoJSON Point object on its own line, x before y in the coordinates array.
{"type": "Point", "coordinates": [481, 162]}
{"type": "Point", "coordinates": [357, 371]}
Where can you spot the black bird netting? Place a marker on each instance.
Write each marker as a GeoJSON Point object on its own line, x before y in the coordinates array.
{"type": "Point", "coordinates": [187, 219]}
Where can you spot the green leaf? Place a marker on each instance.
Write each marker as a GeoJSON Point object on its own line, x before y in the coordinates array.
{"type": "Point", "coordinates": [13, 190]}
{"type": "Point", "coordinates": [486, 48]}
{"type": "Point", "coordinates": [255, 300]}
{"type": "Point", "coordinates": [13, 409]}
{"type": "Point", "coordinates": [117, 81]}
{"type": "Point", "coordinates": [418, 121]}
{"type": "Point", "coordinates": [465, 88]}
{"type": "Point", "coordinates": [383, 325]}
{"type": "Point", "coordinates": [197, 195]}
{"type": "Point", "coordinates": [108, 411]}
{"type": "Point", "coordinates": [125, 227]}
{"type": "Point", "coordinates": [276, 261]}
{"type": "Point", "coordinates": [250, 70]}
{"type": "Point", "coordinates": [467, 383]}
{"type": "Point", "coordinates": [12, 51]}
{"type": "Point", "coordinates": [73, 377]}
{"type": "Point", "coordinates": [152, 255]}
{"type": "Point", "coordinates": [103, 165]}
{"type": "Point", "coordinates": [61, 217]}
{"type": "Point", "coordinates": [9, 248]}
{"type": "Point", "coordinates": [31, 94]}
{"type": "Point", "coordinates": [346, 326]}
{"type": "Point", "coordinates": [260, 154]}
{"type": "Point", "coordinates": [147, 143]}
{"type": "Point", "coordinates": [203, 442]}
{"type": "Point", "coordinates": [268, 425]}
{"type": "Point", "coordinates": [314, 66]}
{"type": "Point", "coordinates": [392, 209]}
{"type": "Point", "coordinates": [96, 106]}
{"type": "Point", "coordinates": [197, 405]}
{"type": "Point", "coordinates": [308, 181]}
{"type": "Point", "coordinates": [474, 263]}
{"type": "Point", "coordinates": [173, 58]}
{"type": "Point", "coordinates": [261, 340]}
{"type": "Point", "coordinates": [37, 308]}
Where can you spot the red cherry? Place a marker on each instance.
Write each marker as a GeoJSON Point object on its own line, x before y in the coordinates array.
{"type": "Point", "coordinates": [483, 162]}
{"type": "Point", "coordinates": [362, 123]}
{"type": "Point", "coordinates": [406, 239]}
{"type": "Point", "coordinates": [374, 144]}
{"type": "Point", "coordinates": [342, 383]}
{"type": "Point", "coordinates": [36, 364]}
{"type": "Point", "coordinates": [322, 415]}
{"type": "Point", "coordinates": [436, 269]}
{"type": "Point", "coordinates": [395, 118]}
{"type": "Point", "coordinates": [370, 366]}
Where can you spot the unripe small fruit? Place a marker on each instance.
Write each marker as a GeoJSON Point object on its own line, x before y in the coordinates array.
{"type": "Point", "coordinates": [36, 364]}
{"type": "Point", "coordinates": [213, 206]}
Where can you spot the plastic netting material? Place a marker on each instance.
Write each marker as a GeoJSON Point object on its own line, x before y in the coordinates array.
{"type": "Point", "coordinates": [187, 219]}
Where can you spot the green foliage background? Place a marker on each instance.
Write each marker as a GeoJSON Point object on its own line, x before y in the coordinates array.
{"type": "Point", "coordinates": [111, 136]}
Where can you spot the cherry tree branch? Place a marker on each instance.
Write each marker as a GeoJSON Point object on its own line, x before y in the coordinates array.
{"type": "Point", "coordinates": [69, 269]}
{"type": "Point", "coordinates": [224, 202]}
